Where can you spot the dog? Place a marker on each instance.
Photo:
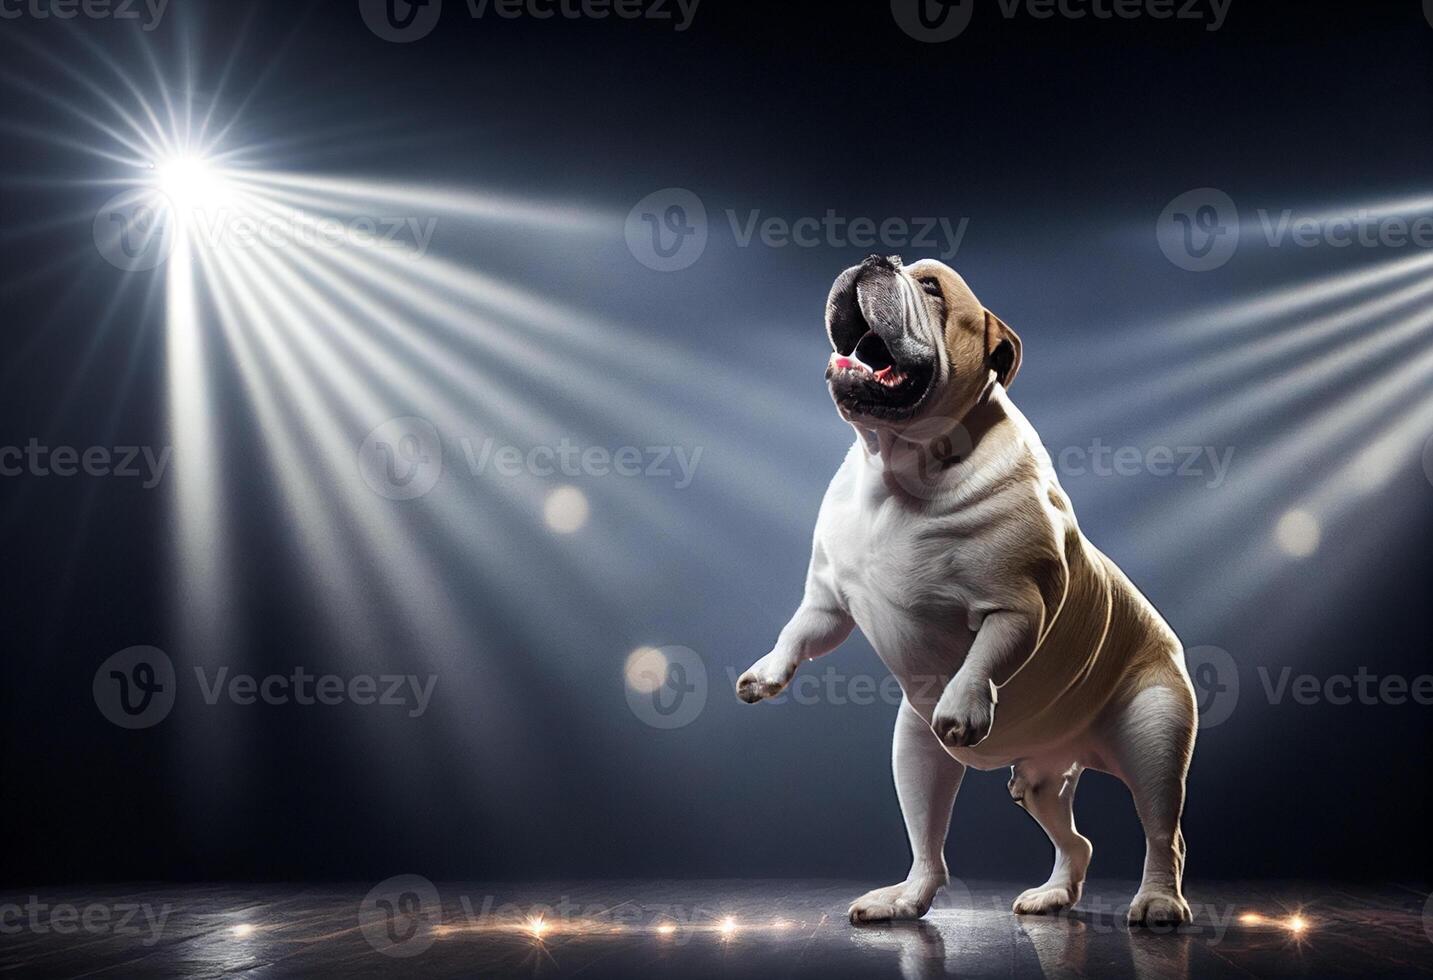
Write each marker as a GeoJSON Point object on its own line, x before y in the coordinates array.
{"type": "Point", "coordinates": [946, 537]}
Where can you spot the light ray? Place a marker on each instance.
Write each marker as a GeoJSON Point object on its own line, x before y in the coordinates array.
{"type": "Point", "coordinates": [1250, 360]}
{"type": "Point", "coordinates": [1213, 424]}
{"type": "Point", "coordinates": [486, 207]}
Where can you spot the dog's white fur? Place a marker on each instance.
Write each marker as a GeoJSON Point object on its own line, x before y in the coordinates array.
{"type": "Point", "coordinates": [948, 540]}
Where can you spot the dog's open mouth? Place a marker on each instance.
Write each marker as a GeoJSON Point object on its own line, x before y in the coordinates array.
{"type": "Point", "coordinates": [867, 379]}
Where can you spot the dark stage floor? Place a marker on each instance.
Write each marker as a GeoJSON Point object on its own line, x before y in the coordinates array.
{"type": "Point", "coordinates": [408, 927]}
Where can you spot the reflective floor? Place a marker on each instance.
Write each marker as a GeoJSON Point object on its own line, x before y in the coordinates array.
{"type": "Point", "coordinates": [408, 926]}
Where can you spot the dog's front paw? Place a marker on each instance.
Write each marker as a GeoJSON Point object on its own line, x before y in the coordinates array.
{"type": "Point", "coordinates": [964, 714]}
{"type": "Point", "coordinates": [767, 678]}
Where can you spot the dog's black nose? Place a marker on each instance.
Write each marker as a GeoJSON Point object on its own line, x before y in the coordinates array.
{"type": "Point", "coordinates": [883, 263]}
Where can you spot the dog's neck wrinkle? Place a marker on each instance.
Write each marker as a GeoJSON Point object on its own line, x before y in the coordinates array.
{"type": "Point", "coordinates": [906, 462]}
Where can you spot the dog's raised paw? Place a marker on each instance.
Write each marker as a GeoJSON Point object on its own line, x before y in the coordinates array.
{"type": "Point", "coordinates": [1158, 908]}
{"type": "Point", "coordinates": [965, 713]}
{"type": "Point", "coordinates": [751, 687]}
{"type": "Point", "coordinates": [963, 722]}
{"type": "Point", "coordinates": [767, 677]}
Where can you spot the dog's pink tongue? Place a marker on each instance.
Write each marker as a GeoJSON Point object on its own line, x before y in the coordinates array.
{"type": "Point", "coordinates": [883, 373]}
{"type": "Point", "coordinates": [843, 362]}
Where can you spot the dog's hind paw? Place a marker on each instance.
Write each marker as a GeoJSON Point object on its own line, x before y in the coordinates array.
{"type": "Point", "coordinates": [907, 900]}
{"type": "Point", "coordinates": [1156, 908]}
{"type": "Point", "coordinates": [1047, 899]}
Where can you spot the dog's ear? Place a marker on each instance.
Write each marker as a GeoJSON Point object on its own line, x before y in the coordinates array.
{"type": "Point", "coordinates": [1002, 349]}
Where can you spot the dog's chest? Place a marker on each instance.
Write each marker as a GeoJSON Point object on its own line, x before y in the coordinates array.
{"type": "Point", "coordinates": [903, 579]}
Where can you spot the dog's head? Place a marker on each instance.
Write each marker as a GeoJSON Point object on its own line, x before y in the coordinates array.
{"type": "Point", "coordinates": [912, 342]}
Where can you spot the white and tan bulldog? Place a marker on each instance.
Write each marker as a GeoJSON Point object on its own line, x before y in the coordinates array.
{"type": "Point", "coordinates": [945, 536]}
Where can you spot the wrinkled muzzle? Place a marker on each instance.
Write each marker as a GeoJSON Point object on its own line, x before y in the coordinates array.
{"type": "Point", "coordinates": [883, 337]}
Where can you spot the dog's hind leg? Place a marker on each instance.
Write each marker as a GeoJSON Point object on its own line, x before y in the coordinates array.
{"type": "Point", "coordinates": [1150, 741]}
{"type": "Point", "coordinates": [1048, 795]}
{"type": "Point", "coordinates": [927, 779]}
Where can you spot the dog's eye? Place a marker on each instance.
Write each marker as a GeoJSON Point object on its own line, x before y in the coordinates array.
{"type": "Point", "coordinates": [930, 284]}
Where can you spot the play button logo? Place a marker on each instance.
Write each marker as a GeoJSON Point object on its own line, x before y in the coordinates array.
{"type": "Point", "coordinates": [401, 21]}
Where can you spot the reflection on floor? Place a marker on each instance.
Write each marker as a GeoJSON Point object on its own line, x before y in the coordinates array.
{"type": "Point", "coordinates": [408, 926]}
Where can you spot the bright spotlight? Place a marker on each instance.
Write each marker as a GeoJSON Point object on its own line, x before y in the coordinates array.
{"type": "Point", "coordinates": [566, 510]}
{"type": "Point", "coordinates": [646, 669]}
{"type": "Point", "coordinates": [191, 183]}
{"type": "Point", "coordinates": [1298, 533]}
